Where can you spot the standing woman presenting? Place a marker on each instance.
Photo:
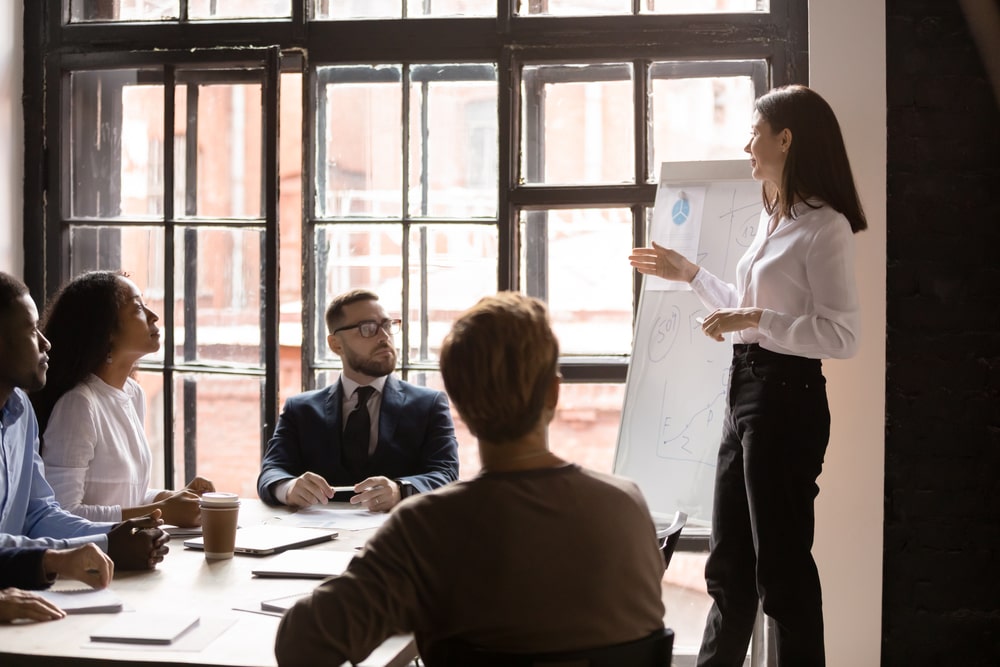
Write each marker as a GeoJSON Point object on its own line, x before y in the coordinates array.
{"type": "Point", "coordinates": [91, 411]}
{"type": "Point", "coordinates": [794, 303]}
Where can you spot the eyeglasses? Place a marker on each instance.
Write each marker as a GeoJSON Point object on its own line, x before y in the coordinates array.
{"type": "Point", "coordinates": [369, 328]}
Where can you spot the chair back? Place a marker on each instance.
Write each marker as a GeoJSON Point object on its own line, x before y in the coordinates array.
{"type": "Point", "coordinates": [670, 537]}
{"type": "Point", "coordinates": [654, 650]}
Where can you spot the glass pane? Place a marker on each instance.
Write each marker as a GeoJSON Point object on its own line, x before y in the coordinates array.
{"type": "Point", "coordinates": [357, 9]}
{"type": "Point", "coordinates": [152, 385]}
{"type": "Point", "coordinates": [577, 261]}
{"type": "Point", "coordinates": [217, 148]}
{"type": "Point", "coordinates": [700, 119]}
{"type": "Point", "coordinates": [686, 600]}
{"type": "Point", "coordinates": [359, 142]}
{"type": "Point", "coordinates": [218, 304]}
{"type": "Point", "coordinates": [123, 10]}
{"type": "Point", "coordinates": [351, 257]}
{"type": "Point", "coordinates": [453, 142]}
{"type": "Point", "coordinates": [235, 9]}
{"type": "Point", "coordinates": [703, 7]}
{"type": "Point", "coordinates": [451, 8]}
{"type": "Point", "coordinates": [609, 7]}
{"type": "Point", "coordinates": [451, 267]}
{"type": "Point", "coordinates": [217, 419]}
{"type": "Point", "coordinates": [290, 242]}
{"type": "Point", "coordinates": [116, 144]}
{"type": "Point", "coordinates": [577, 124]}
{"type": "Point", "coordinates": [574, 7]}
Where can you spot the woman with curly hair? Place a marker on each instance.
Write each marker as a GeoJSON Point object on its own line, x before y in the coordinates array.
{"type": "Point", "coordinates": [91, 410]}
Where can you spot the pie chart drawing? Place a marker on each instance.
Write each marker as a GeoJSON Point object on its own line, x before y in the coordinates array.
{"type": "Point", "coordinates": [681, 211]}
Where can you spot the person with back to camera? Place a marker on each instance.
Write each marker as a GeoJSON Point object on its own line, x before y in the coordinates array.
{"type": "Point", "coordinates": [91, 411]}
{"type": "Point", "coordinates": [794, 303]}
{"type": "Point", "coordinates": [29, 514]}
{"type": "Point", "coordinates": [533, 554]}
{"type": "Point", "coordinates": [384, 438]}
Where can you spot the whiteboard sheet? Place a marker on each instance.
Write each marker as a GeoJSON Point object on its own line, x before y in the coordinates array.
{"type": "Point", "coordinates": [675, 396]}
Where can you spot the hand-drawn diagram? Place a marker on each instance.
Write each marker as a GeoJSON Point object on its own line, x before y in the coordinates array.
{"type": "Point", "coordinates": [663, 333]}
{"type": "Point", "coordinates": [675, 396]}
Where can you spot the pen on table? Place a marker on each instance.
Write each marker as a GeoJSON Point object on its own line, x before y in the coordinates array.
{"type": "Point", "coordinates": [375, 487]}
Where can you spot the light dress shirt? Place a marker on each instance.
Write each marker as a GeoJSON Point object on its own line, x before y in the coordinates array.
{"type": "Point", "coordinates": [802, 276]}
{"type": "Point", "coordinates": [29, 514]}
{"type": "Point", "coordinates": [96, 455]}
{"type": "Point", "coordinates": [349, 402]}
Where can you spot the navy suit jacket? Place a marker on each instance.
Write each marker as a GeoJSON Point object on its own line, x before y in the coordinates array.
{"type": "Point", "coordinates": [416, 439]}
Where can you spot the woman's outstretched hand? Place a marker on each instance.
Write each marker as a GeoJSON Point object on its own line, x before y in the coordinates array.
{"type": "Point", "coordinates": [663, 262]}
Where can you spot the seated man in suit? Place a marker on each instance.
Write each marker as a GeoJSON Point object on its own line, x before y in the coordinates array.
{"type": "Point", "coordinates": [400, 442]}
{"type": "Point", "coordinates": [534, 554]}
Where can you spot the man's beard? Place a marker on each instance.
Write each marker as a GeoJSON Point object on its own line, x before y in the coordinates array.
{"type": "Point", "coordinates": [375, 368]}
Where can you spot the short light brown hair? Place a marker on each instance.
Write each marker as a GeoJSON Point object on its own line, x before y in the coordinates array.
{"type": "Point", "coordinates": [335, 311]}
{"type": "Point", "coordinates": [499, 361]}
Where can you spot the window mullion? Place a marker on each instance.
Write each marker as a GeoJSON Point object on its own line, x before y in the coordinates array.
{"type": "Point", "coordinates": [169, 258]}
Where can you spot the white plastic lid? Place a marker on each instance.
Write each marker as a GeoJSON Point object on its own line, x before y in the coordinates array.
{"type": "Point", "coordinates": [219, 499]}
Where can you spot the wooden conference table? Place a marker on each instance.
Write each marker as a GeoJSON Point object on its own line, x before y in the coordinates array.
{"type": "Point", "coordinates": [224, 593]}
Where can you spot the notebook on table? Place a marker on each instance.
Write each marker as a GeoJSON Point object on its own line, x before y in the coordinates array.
{"type": "Point", "coordinates": [304, 564]}
{"type": "Point", "coordinates": [145, 628]}
{"type": "Point", "coordinates": [84, 600]}
{"type": "Point", "coordinates": [264, 540]}
{"type": "Point", "coordinates": [177, 531]}
{"type": "Point", "coordinates": [282, 604]}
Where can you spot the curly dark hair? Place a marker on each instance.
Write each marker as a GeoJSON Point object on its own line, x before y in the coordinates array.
{"type": "Point", "coordinates": [79, 322]}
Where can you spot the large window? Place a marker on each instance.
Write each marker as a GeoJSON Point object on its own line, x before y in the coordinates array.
{"type": "Point", "coordinates": [245, 160]}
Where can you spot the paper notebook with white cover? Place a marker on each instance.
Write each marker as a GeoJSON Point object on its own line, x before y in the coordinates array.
{"type": "Point", "coordinates": [282, 604]}
{"type": "Point", "coordinates": [145, 628]}
{"type": "Point", "coordinates": [84, 600]}
{"type": "Point", "coordinates": [304, 564]}
{"type": "Point", "coordinates": [264, 540]}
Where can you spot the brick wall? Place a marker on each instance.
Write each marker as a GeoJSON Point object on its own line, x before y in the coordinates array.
{"type": "Point", "coordinates": [941, 603]}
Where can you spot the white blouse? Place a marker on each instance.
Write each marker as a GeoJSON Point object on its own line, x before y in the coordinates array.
{"type": "Point", "coordinates": [802, 276]}
{"type": "Point", "coordinates": [95, 451]}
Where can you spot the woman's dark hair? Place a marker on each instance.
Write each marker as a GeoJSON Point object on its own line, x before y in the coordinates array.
{"type": "Point", "coordinates": [816, 165]}
{"type": "Point", "coordinates": [79, 321]}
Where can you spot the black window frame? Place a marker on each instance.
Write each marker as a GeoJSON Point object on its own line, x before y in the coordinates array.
{"type": "Point", "coordinates": [778, 37]}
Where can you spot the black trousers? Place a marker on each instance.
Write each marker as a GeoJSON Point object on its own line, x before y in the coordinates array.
{"type": "Point", "coordinates": [775, 434]}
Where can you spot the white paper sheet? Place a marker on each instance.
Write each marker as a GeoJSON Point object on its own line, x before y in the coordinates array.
{"type": "Point", "coordinates": [318, 516]}
{"type": "Point", "coordinates": [676, 224]}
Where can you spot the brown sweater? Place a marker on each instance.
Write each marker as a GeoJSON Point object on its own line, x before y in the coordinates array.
{"type": "Point", "coordinates": [550, 559]}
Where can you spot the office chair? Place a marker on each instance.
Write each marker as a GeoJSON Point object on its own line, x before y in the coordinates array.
{"type": "Point", "coordinates": [654, 650]}
{"type": "Point", "coordinates": [671, 536]}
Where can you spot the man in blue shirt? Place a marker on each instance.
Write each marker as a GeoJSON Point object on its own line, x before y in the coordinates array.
{"type": "Point", "coordinates": [29, 513]}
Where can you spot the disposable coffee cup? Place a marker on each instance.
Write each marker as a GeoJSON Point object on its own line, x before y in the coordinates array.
{"type": "Point", "coordinates": [220, 513]}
